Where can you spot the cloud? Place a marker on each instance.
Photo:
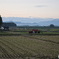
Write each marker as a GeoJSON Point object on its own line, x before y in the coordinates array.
{"type": "Point", "coordinates": [41, 6]}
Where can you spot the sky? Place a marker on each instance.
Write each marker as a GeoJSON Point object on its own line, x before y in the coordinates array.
{"type": "Point", "coordinates": [29, 8]}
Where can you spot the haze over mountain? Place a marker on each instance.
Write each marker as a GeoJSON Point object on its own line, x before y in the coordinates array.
{"type": "Point", "coordinates": [21, 21]}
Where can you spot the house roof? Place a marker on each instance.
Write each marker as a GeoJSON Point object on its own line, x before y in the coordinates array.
{"type": "Point", "coordinates": [9, 24]}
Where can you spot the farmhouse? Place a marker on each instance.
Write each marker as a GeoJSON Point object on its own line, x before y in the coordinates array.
{"type": "Point", "coordinates": [9, 25]}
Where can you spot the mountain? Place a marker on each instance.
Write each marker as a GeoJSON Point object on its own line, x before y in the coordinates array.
{"type": "Point", "coordinates": [24, 20]}
{"type": "Point", "coordinates": [27, 24]}
{"type": "Point", "coordinates": [46, 23]}
{"type": "Point", "coordinates": [21, 21]}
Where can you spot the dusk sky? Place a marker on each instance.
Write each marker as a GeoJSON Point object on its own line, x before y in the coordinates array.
{"type": "Point", "coordinates": [29, 8]}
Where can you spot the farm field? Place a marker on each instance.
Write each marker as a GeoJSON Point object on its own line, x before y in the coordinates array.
{"type": "Point", "coordinates": [31, 46]}
{"type": "Point", "coordinates": [27, 33]}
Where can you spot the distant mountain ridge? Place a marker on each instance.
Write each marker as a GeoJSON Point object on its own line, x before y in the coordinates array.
{"type": "Point", "coordinates": [46, 23]}
{"type": "Point", "coordinates": [20, 21]}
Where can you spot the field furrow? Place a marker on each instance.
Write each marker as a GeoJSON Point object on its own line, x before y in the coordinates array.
{"type": "Point", "coordinates": [16, 46]}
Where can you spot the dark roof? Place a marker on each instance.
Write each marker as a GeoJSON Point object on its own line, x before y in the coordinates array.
{"type": "Point", "coordinates": [8, 24]}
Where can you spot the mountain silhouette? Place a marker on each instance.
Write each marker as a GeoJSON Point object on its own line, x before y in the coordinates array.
{"type": "Point", "coordinates": [31, 21]}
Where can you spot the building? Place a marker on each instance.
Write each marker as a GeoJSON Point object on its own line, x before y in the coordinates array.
{"type": "Point", "coordinates": [9, 24]}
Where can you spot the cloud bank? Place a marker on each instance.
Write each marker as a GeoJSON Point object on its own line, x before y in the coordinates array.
{"type": "Point", "coordinates": [41, 6]}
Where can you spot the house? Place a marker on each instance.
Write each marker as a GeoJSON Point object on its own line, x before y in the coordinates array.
{"type": "Point", "coordinates": [8, 25]}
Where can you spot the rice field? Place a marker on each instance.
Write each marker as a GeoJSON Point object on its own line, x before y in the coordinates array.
{"type": "Point", "coordinates": [30, 46]}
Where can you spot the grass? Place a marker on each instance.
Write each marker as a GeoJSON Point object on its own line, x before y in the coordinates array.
{"type": "Point", "coordinates": [35, 45]}
{"type": "Point", "coordinates": [26, 31]}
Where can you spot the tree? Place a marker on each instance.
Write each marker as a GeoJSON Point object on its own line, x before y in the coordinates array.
{"type": "Point", "coordinates": [0, 21]}
{"type": "Point", "coordinates": [51, 25]}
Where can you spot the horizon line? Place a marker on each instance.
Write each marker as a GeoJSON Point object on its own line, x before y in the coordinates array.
{"type": "Point", "coordinates": [31, 17]}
